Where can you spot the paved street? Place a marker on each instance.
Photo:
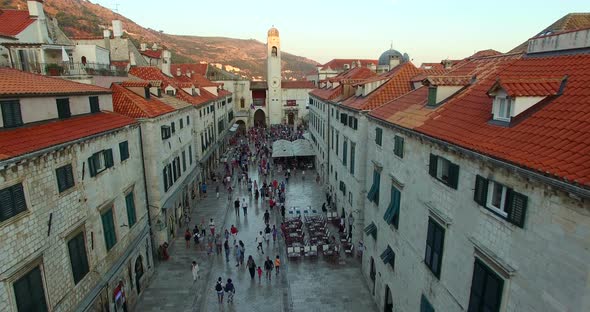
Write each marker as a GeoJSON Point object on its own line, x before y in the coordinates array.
{"type": "Point", "coordinates": [302, 285]}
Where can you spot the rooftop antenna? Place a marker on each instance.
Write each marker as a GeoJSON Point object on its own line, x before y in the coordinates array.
{"type": "Point", "coordinates": [391, 45]}
{"type": "Point", "coordinates": [116, 7]}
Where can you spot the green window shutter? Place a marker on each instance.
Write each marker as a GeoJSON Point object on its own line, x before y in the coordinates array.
{"type": "Point", "coordinates": [515, 206]}
{"type": "Point", "coordinates": [29, 292]}
{"type": "Point", "coordinates": [130, 203]}
{"type": "Point", "coordinates": [78, 257]}
{"type": "Point", "coordinates": [108, 158]}
{"type": "Point", "coordinates": [109, 229]}
{"type": "Point", "coordinates": [92, 165]}
{"type": "Point", "coordinates": [65, 177]}
{"type": "Point", "coordinates": [344, 152]}
{"type": "Point", "coordinates": [378, 136]}
{"type": "Point", "coordinates": [432, 165]}
{"type": "Point", "coordinates": [11, 113]}
{"type": "Point", "coordinates": [425, 306]}
{"type": "Point", "coordinates": [18, 194]}
{"type": "Point", "coordinates": [183, 161]}
{"type": "Point", "coordinates": [94, 105]}
{"type": "Point", "coordinates": [165, 176]}
{"type": "Point", "coordinates": [352, 152]}
{"type": "Point", "coordinates": [453, 175]}
{"type": "Point", "coordinates": [480, 194]}
{"type": "Point", "coordinates": [398, 149]}
{"type": "Point", "coordinates": [7, 209]}
{"type": "Point", "coordinates": [63, 108]}
{"type": "Point", "coordinates": [378, 183]}
{"type": "Point", "coordinates": [190, 154]}
{"type": "Point", "coordinates": [431, 96]}
{"type": "Point", "coordinates": [124, 150]}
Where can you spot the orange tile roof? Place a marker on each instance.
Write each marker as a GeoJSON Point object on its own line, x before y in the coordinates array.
{"type": "Point", "coordinates": [151, 73]}
{"type": "Point", "coordinates": [152, 54]}
{"type": "Point", "coordinates": [14, 82]}
{"type": "Point", "coordinates": [431, 66]}
{"type": "Point", "coordinates": [529, 86]}
{"type": "Point", "coordinates": [200, 69]}
{"type": "Point", "coordinates": [34, 137]}
{"type": "Point", "coordinates": [338, 64]}
{"type": "Point", "coordinates": [350, 76]}
{"type": "Point", "coordinates": [130, 104]}
{"type": "Point", "coordinates": [136, 83]}
{"type": "Point", "coordinates": [13, 22]}
{"type": "Point", "coordinates": [398, 83]}
{"type": "Point", "coordinates": [448, 80]}
{"type": "Point", "coordinates": [551, 138]}
{"type": "Point", "coordinates": [303, 84]}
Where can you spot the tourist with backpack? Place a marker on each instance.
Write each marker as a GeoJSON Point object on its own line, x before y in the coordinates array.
{"type": "Point", "coordinates": [230, 289]}
{"type": "Point", "coordinates": [268, 266]}
{"type": "Point", "coordinates": [219, 290]}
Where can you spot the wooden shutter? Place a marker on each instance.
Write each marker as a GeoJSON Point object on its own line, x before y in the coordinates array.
{"type": "Point", "coordinates": [453, 175]}
{"type": "Point", "coordinates": [92, 165]}
{"type": "Point", "coordinates": [69, 176]}
{"type": "Point", "coordinates": [108, 158]}
{"type": "Point", "coordinates": [480, 194]}
{"type": "Point", "coordinates": [515, 206]}
{"type": "Point", "coordinates": [11, 113]}
{"type": "Point", "coordinates": [6, 204]}
{"type": "Point", "coordinates": [432, 165]}
{"type": "Point", "coordinates": [124, 150]}
{"type": "Point", "coordinates": [63, 108]}
{"type": "Point", "coordinates": [78, 257]}
{"type": "Point", "coordinates": [165, 175]}
{"type": "Point", "coordinates": [94, 106]}
{"type": "Point", "coordinates": [130, 203]}
{"type": "Point", "coordinates": [18, 194]}
{"type": "Point", "coordinates": [29, 292]}
{"type": "Point", "coordinates": [477, 288]}
{"type": "Point", "coordinates": [183, 161]}
{"type": "Point", "coordinates": [378, 186]}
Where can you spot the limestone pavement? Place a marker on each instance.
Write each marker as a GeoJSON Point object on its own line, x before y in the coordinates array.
{"type": "Point", "coordinates": [302, 284]}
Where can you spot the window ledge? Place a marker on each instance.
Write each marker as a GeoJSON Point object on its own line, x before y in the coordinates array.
{"type": "Point", "coordinates": [437, 214]}
{"type": "Point", "coordinates": [397, 183]}
{"type": "Point", "coordinates": [16, 218]}
{"type": "Point", "coordinates": [68, 191]}
{"type": "Point", "coordinates": [488, 256]}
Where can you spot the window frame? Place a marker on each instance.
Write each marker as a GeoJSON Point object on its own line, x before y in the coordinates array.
{"type": "Point", "coordinates": [12, 108]}
{"type": "Point", "coordinates": [65, 178]}
{"type": "Point", "coordinates": [94, 105]}
{"type": "Point", "coordinates": [130, 208]}
{"type": "Point", "coordinates": [30, 302]}
{"type": "Point", "coordinates": [78, 273]}
{"type": "Point", "coordinates": [379, 136]}
{"type": "Point", "coordinates": [436, 171]}
{"type": "Point", "coordinates": [107, 239]}
{"type": "Point", "coordinates": [63, 108]}
{"type": "Point", "coordinates": [503, 198]}
{"type": "Point", "coordinates": [487, 273]}
{"type": "Point", "coordinates": [398, 146]}
{"type": "Point", "coordinates": [13, 195]}
{"type": "Point", "coordinates": [504, 106]}
{"type": "Point", "coordinates": [434, 265]}
{"type": "Point", "coordinates": [103, 158]}
{"type": "Point", "coordinates": [124, 150]}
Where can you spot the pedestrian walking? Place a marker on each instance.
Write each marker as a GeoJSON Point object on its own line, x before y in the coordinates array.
{"type": "Point", "coordinates": [204, 189]}
{"type": "Point", "coordinates": [226, 234]}
{"type": "Point", "coordinates": [202, 227]}
{"type": "Point", "coordinates": [218, 244]}
{"type": "Point", "coordinates": [187, 238]}
{"type": "Point", "coordinates": [187, 220]}
{"type": "Point", "coordinates": [219, 290]}
{"type": "Point", "coordinates": [237, 206]}
{"type": "Point", "coordinates": [242, 252]}
{"type": "Point", "coordinates": [274, 233]}
{"type": "Point", "coordinates": [226, 248]}
{"type": "Point", "coordinates": [244, 206]}
{"type": "Point", "coordinates": [234, 232]}
{"type": "Point", "coordinates": [217, 191]}
{"type": "Point", "coordinates": [251, 266]}
{"type": "Point", "coordinates": [238, 255]}
{"type": "Point", "coordinates": [267, 232]}
{"type": "Point", "coordinates": [259, 270]}
{"type": "Point", "coordinates": [210, 242]}
{"type": "Point", "coordinates": [212, 227]}
{"type": "Point", "coordinates": [283, 211]}
{"type": "Point", "coordinates": [259, 240]}
{"type": "Point", "coordinates": [268, 267]}
{"type": "Point", "coordinates": [277, 265]}
{"type": "Point", "coordinates": [195, 270]}
{"type": "Point", "coordinates": [266, 217]}
{"type": "Point", "coordinates": [230, 290]}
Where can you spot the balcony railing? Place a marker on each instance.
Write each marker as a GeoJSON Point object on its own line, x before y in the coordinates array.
{"type": "Point", "coordinates": [259, 102]}
{"type": "Point", "coordinates": [74, 69]}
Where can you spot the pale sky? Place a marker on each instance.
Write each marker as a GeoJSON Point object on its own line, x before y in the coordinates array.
{"type": "Point", "coordinates": [427, 30]}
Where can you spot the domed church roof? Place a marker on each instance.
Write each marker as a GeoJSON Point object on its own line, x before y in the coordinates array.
{"type": "Point", "coordinates": [386, 56]}
{"type": "Point", "coordinates": [273, 32]}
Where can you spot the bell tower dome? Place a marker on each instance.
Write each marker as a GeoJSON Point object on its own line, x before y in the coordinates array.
{"type": "Point", "coordinates": [273, 75]}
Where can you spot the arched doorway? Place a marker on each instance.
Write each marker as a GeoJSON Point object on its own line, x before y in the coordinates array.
{"type": "Point", "coordinates": [373, 275]}
{"type": "Point", "coordinates": [138, 272]}
{"type": "Point", "coordinates": [388, 304]}
{"type": "Point", "coordinates": [291, 118]}
{"type": "Point", "coordinates": [259, 118]}
{"type": "Point", "coordinates": [241, 126]}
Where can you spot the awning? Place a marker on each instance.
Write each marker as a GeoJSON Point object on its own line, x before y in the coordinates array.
{"type": "Point", "coordinates": [371, 229]}
{"type": "Point", "coordinates": [283, 148]}
{"type": "Point", "coordinates": [393, 208]}
{"type": "Point", "coordinates": [234, 127]}
{"type": "Point", "coordinates": [302, 148]}
{"type": "Point", "coordinates": [388, 256]}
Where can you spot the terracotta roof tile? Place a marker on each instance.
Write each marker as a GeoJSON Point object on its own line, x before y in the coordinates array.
{"type": "Point", "coordinates": [130, 104]}
{"type": "Point", "coordinates": [200, 69]}
{"type": "Point", "coordinates": [13, 22]}
{"type": "Point", "coordinates": [529, 86]}
{"type": "Point", "coordinates": [303, 84]}
{"type": "Point", "coordinates": [14, 82]}
{"type": "Point", "coordinates": [136, 83]}
{"type": "Point", "coordinates": [338, 64]}
{"type": "Point", "coordinates": [448, 80]}
{"type": "Point", "coordinates": [398, 83]}
{"type": "Point", "coordinates": [30, 138]}
{"type": "Point", "coordinates": [152, 54]}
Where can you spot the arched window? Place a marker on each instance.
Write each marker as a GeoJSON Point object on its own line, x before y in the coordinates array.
{"type": "Point", "coordinates": [274, 51]}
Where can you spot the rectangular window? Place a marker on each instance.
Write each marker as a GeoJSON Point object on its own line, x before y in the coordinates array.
{"type": "Point", "coordinates": [486, 289]}
{"type": "Point", "coordinates": [94, 106]}
{"type": "Point", "coordinates": [501, 200]}
{"type": "Point", "coordinates": [166, 133]}
{"type": "Point", "coordinates": [332, 141]}
{"type": "Point", "coordinates": [78, 257]}
{"type": "Point", "coordinates": [378, 136]}
{"type": "Point", "coordinates": [434, 247]}
{"type": "Point", "coordinates": [11, 113]}
{"type": "Point", "coordinates": [343, 187]}
{"type": "Point", "coordinates": [181, 121]}
{"type": "Point", "coordinates": [188, 120]}
{"type": "Point", "coordinates": [344, 151]}
{"type": "Point", "coordinates": [130, 204]}
{"type": "Point", "coordinates": [100, 161]}
{"type": "Point", "coordinates": [352, 155]}
{"type": "Point", "coordinates": [504, 108]}
{"type": "Point", "coordinates": [190, 154]}
{"type": "Point", "coordinates": [65, 177]}
{"type": "Point", "coordinates": [124, 150]}
{"type": "Point", "coordinates": [398, 148]}
{"type": "Point", "coordinates": [337, 144]}
{"type": "Point", "coordinates": [444, 171]}
{"type": "Point", "coordinates": [344, 119]}
{"type": "Point", "coordinates": [108, 226]}
{"type": "Point", "coordinates": [373, 194]}
{"type": "Point", "coordinates": [170, 92]}
{"type": "Point", "coordinates": [173, 127]}
{"type": "Point", "coordinates": [63, 108]}
{"type": "Point", "coordinates": [169, 171]}
{"type": "Point", "coordinates": [183, 161]}
{"type": "Point", "coordinates": [351, 121]}
{"type": "Point", "coordinates": [29, 292]}
{"type": "Point", "coordinates": [165, 176]}
{"type": "Point", "coordinates": [12, 201]}
{"type": "Point", "coordinates": [178, 166]}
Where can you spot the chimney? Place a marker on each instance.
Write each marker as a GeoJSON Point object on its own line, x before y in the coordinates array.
{"type": "Point", "coordinates": [447, 64]}
{"type": "Point", "coordinates": [166, 58]}
{"type": "Point", "coordinates": [107, 39]}
{"type": "Point", "coordinates": [142, 47]}
{"type": "Point", "coordinates": [36, 9]}
{"type": "Point", "coordinates": [117, 29]}
{"type": "Point", "coordinates": [178, 72]}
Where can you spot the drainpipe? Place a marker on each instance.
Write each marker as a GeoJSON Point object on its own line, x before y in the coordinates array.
{"type": "Point", "coordinates": [147, 200]}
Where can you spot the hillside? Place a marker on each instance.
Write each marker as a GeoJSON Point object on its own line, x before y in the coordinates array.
{"type": "Point", "coordinates": [83, 18]}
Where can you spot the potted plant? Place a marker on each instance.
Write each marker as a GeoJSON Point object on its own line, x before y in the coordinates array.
{"type": "Point", "coordinates": [53, 69]}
